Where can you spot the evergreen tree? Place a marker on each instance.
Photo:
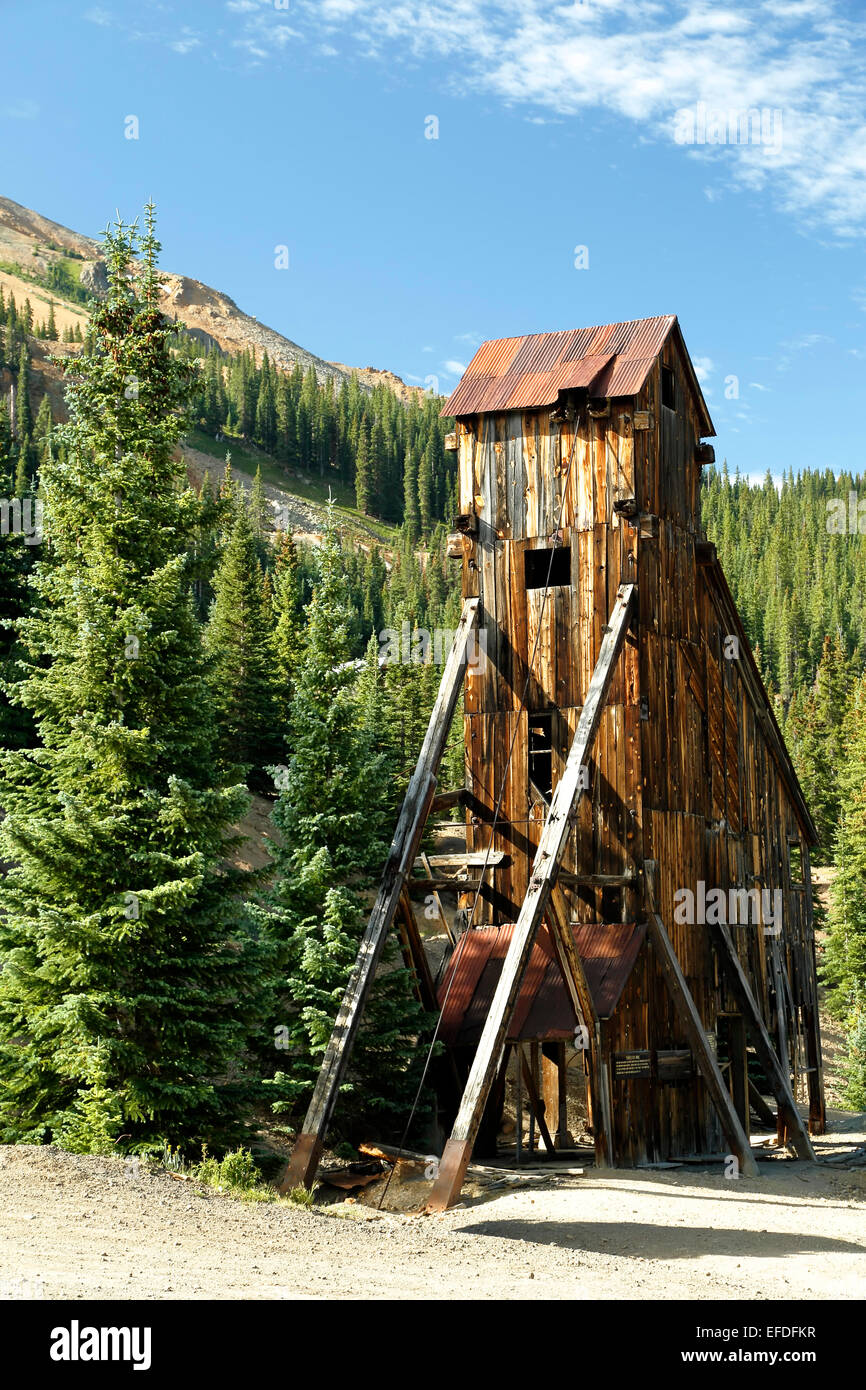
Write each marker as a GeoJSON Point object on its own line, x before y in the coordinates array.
{"type": "Point", "coordinates": [331, 819]}
{"type": "Point", "coordinates": [23, 414]}
{"type": "Point", "coordinates": [814, 728]}
{"type": "Point", "coordinates": [258, 510]}
{"type": "Point", "coordinates": [411, 508]}
{"type": "Point", "coordinates": [239, 640]}
{"type": "Point", "coordinates": [289, 623]}
{"type": "Point", "coordinates": [130, 978]}
{"type": "Point", "coordinates": [363, 476]}
{"type": "Point", "coordinates": [425, 487]}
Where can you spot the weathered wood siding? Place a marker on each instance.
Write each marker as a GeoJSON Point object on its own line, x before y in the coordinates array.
{"type": "Point", "coordinates": [683, 771]}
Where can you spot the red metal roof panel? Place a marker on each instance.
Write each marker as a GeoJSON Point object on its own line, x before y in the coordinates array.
{"type": "Point", "coordinates": [610, 359]}
{"type": "Point", "coordinates": [544, 1009]}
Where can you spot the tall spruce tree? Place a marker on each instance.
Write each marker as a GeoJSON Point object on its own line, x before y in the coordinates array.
{"type": "Point", "coordinates": [243, 673]}
{"type": "Point", "coordinates": [130, 978]}
{"type": "Point", "coordinates": [331, 815]}
{"type": "Point", "coordinates": [289, 623]}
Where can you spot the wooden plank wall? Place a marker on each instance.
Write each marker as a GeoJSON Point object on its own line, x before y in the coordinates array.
{"type": "Point", "coordinates": [683, 772]}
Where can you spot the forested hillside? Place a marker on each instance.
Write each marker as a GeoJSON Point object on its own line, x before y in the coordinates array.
{"type": "Point", "coordinates": [795, 559]}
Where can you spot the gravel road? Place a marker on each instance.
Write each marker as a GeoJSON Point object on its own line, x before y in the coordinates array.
{"type": "Point", "coordinates": [83, 1227]}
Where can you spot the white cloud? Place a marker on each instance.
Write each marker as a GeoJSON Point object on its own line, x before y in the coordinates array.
{"type": "Point", "coordinates": [804, 342]}
{"type": "Point", "coordinates": [704, 368]}
{"type": "Point", "coordinates": [758, 386]}
{"type": "Point", "coordinates": [453, 367]}
{"type": "Point", "coordinates": [186, 43]}
{"type": "Point", "coordinates": [645, 60]}
{"type": "Point", "coordinates": [98, 16]}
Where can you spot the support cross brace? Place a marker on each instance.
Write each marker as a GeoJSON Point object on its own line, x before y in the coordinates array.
{"type": "Point", "coordinates": [404, 847]}
{"type": "Point", "coordinates": [548, 856]}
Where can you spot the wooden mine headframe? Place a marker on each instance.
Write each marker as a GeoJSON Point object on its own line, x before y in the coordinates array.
{"type": "Point", "coordinates": [616, 752]}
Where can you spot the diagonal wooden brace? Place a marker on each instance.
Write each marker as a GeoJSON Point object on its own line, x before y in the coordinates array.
{"type": "Point", "coordinates": [767, 1056]}
{"type": "Point", "coordinates": [548, 856]}
{"type": "Point", "coordinates": [302, 1167]}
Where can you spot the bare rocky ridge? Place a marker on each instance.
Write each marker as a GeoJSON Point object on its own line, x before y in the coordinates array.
{"type": "Point", "coordinates": [33, 243]}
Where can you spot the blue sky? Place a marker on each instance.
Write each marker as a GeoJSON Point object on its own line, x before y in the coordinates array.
{"type": "Point", "coordinates": [302, 124]}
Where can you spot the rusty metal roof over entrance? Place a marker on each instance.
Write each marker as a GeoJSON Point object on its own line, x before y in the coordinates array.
{"type": "Point", "coordinates": [544, 1010]}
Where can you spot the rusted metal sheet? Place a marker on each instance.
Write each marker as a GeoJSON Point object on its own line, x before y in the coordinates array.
{"type": "Point", "coordinates": [522, 373]}
{"type": "Point", "coordinates": [544, 1011]}
{"type": "Point", "coordinates": [608, 953]}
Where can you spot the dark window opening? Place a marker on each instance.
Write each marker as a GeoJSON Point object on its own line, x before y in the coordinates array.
{"type": "Point", "coordinates": [541, 755]}
{"type": "Point", "coordinates": [669, 388]}
{"type": "Point", "coordinates": [612, 905]}
{"type": "Point", "coordinates": [543, 567]}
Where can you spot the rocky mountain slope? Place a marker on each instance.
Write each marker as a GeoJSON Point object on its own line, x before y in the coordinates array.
{"type": "Point", "coordinates": [35, 252]}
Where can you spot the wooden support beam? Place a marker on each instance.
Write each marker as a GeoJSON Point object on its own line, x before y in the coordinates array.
{"type": "Point", "coordinates": [558, 915]}
{"type": "Point", "coordinates": [554, 1090]}
{"type": "Point", "coordinates": [438, 901]}
{"type": "Point", "coordinates": [301, 1169]}
{"type": "Point", "coordinates": [811, 1021]}
{"type": "Point", "coordinates": [739, 1068]}
{"type": "Point", "coordinates": [777, 1076]}
{"type": "Point", "coordinates": [480, 859]}
{"type": "Point", "coordinates": [558, 822]}
{"type": "Point", "coordinates": [420, 963]}
{"type": "Point", "coordinates": [693, 1027]}
{"type": "Point", "coordinates": [760, 1106]}
{"type": "Point", "coordinates": [535, 1103]}
{"type": "Point", "coordinates": [436, 883]}
{"type": "Point", "coordinates": [444, 801]}
{"type": "Point", "coordinates": [626, 880]}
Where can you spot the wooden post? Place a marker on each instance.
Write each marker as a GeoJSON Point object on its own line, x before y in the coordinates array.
{"type": "Point", "coordinates": [760, 1106]}
{"type": "Point", "coordinates": [566, 797]}
{"type": "Point", "coordinates": [573, 973]}
{"type": "Point", "coordinates": [788, 1114]}
{"type": "Point", "coordinates": [739, 1068]}
{"type": "Point", "coordinates": [536, 1109]}
{"type": "Point", "coordinates": [302, 1167]}
{"type": "Point", "coordinates": [420, 966]}
{"type": "Point", "coordinates": [692, 1023]}
{"type": "Point", "coordinates": [554, 1085]}
{"type": "Point", "coordinates": [811, 1021]}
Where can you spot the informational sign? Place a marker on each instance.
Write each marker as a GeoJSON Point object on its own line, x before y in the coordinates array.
{"type": "Point", "coordinates": [632, 1064]}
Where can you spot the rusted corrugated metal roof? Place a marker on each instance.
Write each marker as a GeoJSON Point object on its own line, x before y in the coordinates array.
{"type": "Point", "coordinates": [543, 1009]}
{"type": "Point", "coordinates": [611, 359]}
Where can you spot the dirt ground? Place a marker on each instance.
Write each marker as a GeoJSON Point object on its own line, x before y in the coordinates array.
{"type": "Point", "coordinates": [82, 1227]}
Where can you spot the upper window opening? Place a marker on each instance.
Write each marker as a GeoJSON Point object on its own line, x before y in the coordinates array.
{"type": "Point", "coordinates": [543, 567]}
{"type": "Point", "coordinates": [795, 862]}
{"type": "Point", "coordinates": [669, 388]}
